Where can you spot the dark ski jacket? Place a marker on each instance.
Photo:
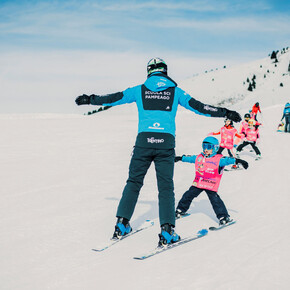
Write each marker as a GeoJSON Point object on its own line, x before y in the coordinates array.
{"type": "Point", "coordinates": [157, 101]}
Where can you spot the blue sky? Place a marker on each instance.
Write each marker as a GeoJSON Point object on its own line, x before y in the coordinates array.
{"type": "Point", "coordinates": [45, 43]}
{"type": "Point", "coordinates": [188, 27]}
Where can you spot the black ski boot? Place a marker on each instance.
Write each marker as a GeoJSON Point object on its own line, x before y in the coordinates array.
{"type": "Point", "coordinates": [225, 220]}
{"type": "Point", "coordinates": [179, 213]}
{"type": "Point", "coordinates": [168, 235]}
{"type": "Point", "coordinates": [122, 228]}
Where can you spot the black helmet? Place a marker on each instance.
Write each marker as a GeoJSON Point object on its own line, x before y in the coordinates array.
{"type": "Point", "coordinates": [257, 104]}
{"type": "Point", "coordinates": [156, 64]}
{"type": "Point", "coordinates": [247, 115]}
{"type": "Point", "coordinates": [231, 123]}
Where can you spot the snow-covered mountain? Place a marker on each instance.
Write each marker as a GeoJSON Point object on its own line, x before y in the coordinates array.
{"type": "Point", "coordinates": [230, 86]}
{"type": "Point", "coordinates": [62, 177]}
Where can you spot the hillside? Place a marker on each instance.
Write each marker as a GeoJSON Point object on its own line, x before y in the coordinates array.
{"type": "Point", "coordinates": [62, 177]}
{"type": "Point", "coordinates": [230, 86]}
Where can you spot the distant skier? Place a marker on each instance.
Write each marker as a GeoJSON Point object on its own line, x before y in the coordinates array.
{"type": "Point", "coordinates": [256, 108]}
{"type": "Point", "coordinates": [228, 132]}
{"type": "Point", "coordinates": [157, 101]}
{"type": "Point", "coordinates": [286, 115]}
{"type": "Point", "coordinates": [252, 135]}
{"type": "Point", "coordinates": [209, 167]}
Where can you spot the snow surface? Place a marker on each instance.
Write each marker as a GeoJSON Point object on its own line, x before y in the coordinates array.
{"type": "Point", "coordinates": [62, 177]}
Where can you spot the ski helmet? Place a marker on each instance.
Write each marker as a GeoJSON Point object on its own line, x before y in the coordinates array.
{"type": "Point", "coordinates": [156, 64]}
{"type": "Point", "coordinates": [257, 104]}
{"type": "Point", "coordinates": [231, 122]}
{"type": "Point", "coordinates": [252, 122]}
{"type": "Point", "coordinates": [211, 143]}
{"type": "Point", "coordinates": [247, 116]}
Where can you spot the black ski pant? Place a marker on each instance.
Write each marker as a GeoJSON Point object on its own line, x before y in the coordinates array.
{"type": "Point", "coordinates": [287, 124]}
{"type": "Point", "coordinates": [221, 149]}
{"type": "Point", "coordinates": [246, 143]}
{"type": "Point", "coordinates": [164, 166]}
{"type": "Point", "coordinates": [215, 200]}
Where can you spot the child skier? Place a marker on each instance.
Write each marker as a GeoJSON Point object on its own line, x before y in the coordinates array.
{"type": "Point", "coordinates": [243, 127]}
{"type": "Point", "coordinates": [228, 132]}
{"type": "Point", "coordinates": [252, 135]}
{"type": "Point", "coordinates": [208, 173]}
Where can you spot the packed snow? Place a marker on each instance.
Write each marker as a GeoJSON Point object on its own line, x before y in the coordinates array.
{"type": "Point", "coordinates": [62, 177]}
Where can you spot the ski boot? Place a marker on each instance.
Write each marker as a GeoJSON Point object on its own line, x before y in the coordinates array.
{"type": "Point", "coordinates": [122, 228]}
{"type": "Point", "coordinates": [225, 220]}
{"type": "Point", "coordinates": [167, 236]}
{"type": "Point", "coordinates": [179, 213]}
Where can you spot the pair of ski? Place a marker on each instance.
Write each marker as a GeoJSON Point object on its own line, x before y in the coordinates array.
{"type": "Point", "coordinates": [159, 250]}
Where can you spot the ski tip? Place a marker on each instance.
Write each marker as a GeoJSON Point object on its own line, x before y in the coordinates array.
{"type": "Point", "coordinates": [203, 232]}
{"type": "Point", "coordinates": [98, 250]}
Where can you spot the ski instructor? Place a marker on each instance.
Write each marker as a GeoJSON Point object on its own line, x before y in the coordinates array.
{"type": "Point", "coordinates": [157, 101]}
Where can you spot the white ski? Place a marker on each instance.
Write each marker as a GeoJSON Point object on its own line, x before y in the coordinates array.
{"type": "Point", "coordinates": [147, 224]}
{"type": "Point", "coordinates": [222, 226]}
{"type": "Point", "coordinates": [159, 250]}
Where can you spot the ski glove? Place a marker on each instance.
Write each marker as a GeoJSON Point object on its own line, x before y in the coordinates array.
{"type": "Point", "coordinates": [83, 100]}
{"type": "Point", "coordinates": [243, 162]}
{"type": "Point", "coordinates": [177, 158]}
{"type": "Point", "coordinates": [233, 115]}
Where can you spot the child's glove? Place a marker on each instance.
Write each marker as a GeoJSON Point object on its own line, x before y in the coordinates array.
{"type": "Point", "coordinates": [177, 158]}
{"type": "Point", "coordinates": [242, 162]}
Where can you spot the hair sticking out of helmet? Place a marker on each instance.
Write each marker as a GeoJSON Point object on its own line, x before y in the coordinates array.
{"type": "Point", "coordinates": [156, 64]}
{"type": "Point", "coordinates": [210, 143]}
{"type": "Point", "coordinates": [252, 122]}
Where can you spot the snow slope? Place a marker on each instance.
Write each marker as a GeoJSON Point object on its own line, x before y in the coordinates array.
{"type": "Point", "coordinates": [62, 177]}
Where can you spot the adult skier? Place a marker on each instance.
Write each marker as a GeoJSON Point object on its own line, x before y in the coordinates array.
{"type": "Point", "coordinates": [286, 115]}
{"type": "Point", "coordinates": [209, 167]}
{"type": "Point", "coordinates": [157, 101]}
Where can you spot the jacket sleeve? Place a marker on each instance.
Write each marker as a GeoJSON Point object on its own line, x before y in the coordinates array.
{"type": "Point", "coordinates": [227, 161]}
{"type": "Point", "coordinates": [119, 98]}
{"type": "Point", "coordinates": [198, 107]}
{"type": "Point", "coordinates": [189, 159]}
{"type": "Point", "coordinates": [215, 133]}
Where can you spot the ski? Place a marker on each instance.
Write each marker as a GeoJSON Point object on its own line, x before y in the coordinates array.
{"type": "Point", "coordinates": [159, 250]}
{"type": "Point", "coordinates": [147, 224]}
{"type": "Point", "coordinates": [222, 226]}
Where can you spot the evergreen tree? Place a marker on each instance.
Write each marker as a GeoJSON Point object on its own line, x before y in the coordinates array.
{"type": "Point", "coordinates": [273, 55]}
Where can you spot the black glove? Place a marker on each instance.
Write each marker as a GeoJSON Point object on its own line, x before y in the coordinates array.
{"type": "Point", "coordinates": [83, 100]}
{"type": "Point", "coordinates": [177, 158]}
{"type": "Point", "coordinates": [233, 115]}
{"type": "Point", "coordinates": [243, 162]}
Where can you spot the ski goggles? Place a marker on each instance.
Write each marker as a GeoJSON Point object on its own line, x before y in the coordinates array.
{"type": "Point", "coordinates": [208, 146]}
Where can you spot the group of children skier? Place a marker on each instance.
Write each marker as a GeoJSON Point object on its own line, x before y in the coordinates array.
{"type": "Point", "coordinates": [209, 164]}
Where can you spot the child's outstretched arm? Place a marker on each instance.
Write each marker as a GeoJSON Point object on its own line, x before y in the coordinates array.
{"type": "Point", "coordinates": [231, 160]}
{"type": "Point", "coordinates": [184, 158]}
